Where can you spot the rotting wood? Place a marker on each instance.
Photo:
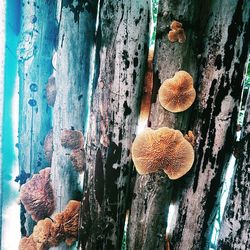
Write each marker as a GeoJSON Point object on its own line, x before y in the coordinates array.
{"type": "Point", "coordinates": [235, 228]}
{"type": "Point", "coordinates": [123, 37]}
{"type": "Point", "coordinates": [72, 73]}
{"type": "Point", "coordinates": [215, 53]}
{"type": "Point", "coordinates": [152, 193]}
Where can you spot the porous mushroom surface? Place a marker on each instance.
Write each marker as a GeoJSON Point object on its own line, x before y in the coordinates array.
{"type": "Point", "coordinates": [177, 94]}
{"type": "Point", "coordinates": [51, 91]}
{"type": "Point", "coordinates": [37, 195]}
{"type": "Point", "coordinates": [162, 149]}
{"type": "Point", "coordinates": [72, 139]}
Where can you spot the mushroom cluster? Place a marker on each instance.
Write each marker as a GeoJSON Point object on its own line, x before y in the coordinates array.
{"type": "Point", "coordinates": [176, 33]}
{"type": "Point", "coordinates": [37, 195]}
{"type": "Point", "coordinates": [162, 149]}
{"type": "Point", "coordinates": [49, 233]}
{"type": "Point", "coordinates": [177, 94]}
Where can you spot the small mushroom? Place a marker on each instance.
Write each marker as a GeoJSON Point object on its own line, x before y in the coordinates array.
{"type": "Point", "coordinates": [162, 149]}
{"type": "Point", "coordinates": [27, 243]}
{"type": "Point", "coordinates": [51, 91]}
{"type": "Point", "coordinates": [78, 159]}
{"type": "Point", "coordinates": [190, 137]}
{"type": "Point", "coordinates": [48, 146]}
{"type": "Point", "coordinates": [176, 33]}
{"type": "Point", "coordinates": [177, 94]}
{"type": "Point", "coordinates": [72, 139]}
{"type": "Point", "coordinates": [37, 195]}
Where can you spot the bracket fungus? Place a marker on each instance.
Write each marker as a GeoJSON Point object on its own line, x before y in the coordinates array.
{"type": "Point", "coordinates": [162, 149]}
{"type": "Point", "coordinates": [72, 139]}
{"type": "Point", "coordinates": [176, 33]}
{"type": "Point", "coordinates": [78, 159]}
{"type": "Point", "coordinates": [51, 91]}
{"type": "Point", "coordinates": [177, 94]}
{"type": "Point", "coordinates": [27, 243]}
{"type": "Point", "coordinates": [48, 146]}
{"type": "Point", "coordinates": [37, 195]}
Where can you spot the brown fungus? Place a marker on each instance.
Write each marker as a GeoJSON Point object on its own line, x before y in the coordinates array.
{"type": "Point", "coordinates": [78, 159]}
{"type": "Point", "coordinates": [176, 33]}
{"type": "Point", "coordinates": [48, 146]}
{"type": "Point", "coordinates": [177, 94]}
{"type": "Point", "coordinates": [162, 149]}
{"type": "Point", "coordinates": [51, 91]}
{"type": "Point", "coordinates": [68, 221]}
{"type": "Point", "coordinates": [72, 139]}
{"type": "Point", "coordinates": [37, 195]}
{"type": "Point", "coordinates": [27, 243]}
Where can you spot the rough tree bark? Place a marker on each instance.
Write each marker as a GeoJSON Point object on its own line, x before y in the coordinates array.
{"type": "Point", "coordinates": [123, 46]}
{"type": "Point", "coordinates": [72, 76]}
{"type": "Point", "coordinates": [235, 228]}
{"type": "Point", "coordinates": [215, 54]}
{"type": "Point", "coordinates": [35, 56]}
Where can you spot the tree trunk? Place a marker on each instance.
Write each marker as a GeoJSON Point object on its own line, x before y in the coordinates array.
{"type": "Point", "coordinates": [235, 228]}
{"type": "Point", "coordinates": [123, 45]}
{"type": "Point", "coordinates": [214, 53]}
{"type": "Point", "coordinates": [34, 56]}
{"type": "Point", "coordinates": [72, 77]}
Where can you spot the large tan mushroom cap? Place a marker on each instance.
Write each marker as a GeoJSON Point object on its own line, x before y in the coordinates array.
{"type": "Point", "coordinates": [165, 149]}
{"type": "Point", "coordinates": [37, 195]}
{"type": "Point", "coordinates": [72, 139]}
{"type": "Point", "coordinates": [27, 243]}
{"type": "Point", "coordinates": [177, 94]}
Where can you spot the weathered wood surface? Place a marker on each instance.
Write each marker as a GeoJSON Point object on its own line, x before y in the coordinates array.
{"type": "Point", "coordinates": [72, 76]}
{"type": "Point", "coordinates": [38, 37]}
{"type": "Point", "coordinates": [215, 54]}
{"type": "Point", "coordinates": [152, 193]}
{"type": "Point", "coordinates": [123, 38]}
{"type": "Point", "coordinates": [35, 66]}
{"type": "Point", "coordinates": [235, 228]}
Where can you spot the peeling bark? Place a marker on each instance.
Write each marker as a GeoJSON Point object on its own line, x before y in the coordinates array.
{"type": "Point", "coordinates": [235, 228]}
{"type": "Point", "coordinates": [123, 40]}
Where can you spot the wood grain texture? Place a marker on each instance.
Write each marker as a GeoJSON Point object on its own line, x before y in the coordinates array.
{"type": "Point", "coordinates": [235, 228]}
{"type": "Point", "coordinates": [123, 47]}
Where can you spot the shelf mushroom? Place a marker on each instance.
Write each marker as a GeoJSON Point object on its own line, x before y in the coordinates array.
{"type": "Point", "coordinates": [51, 91]}
{"type": "Point", "coordinates": [177, 94]}
{"type": "Point", "coordinates": [37, 195]}
{"type": "Point", "coordinates": [162, 149]}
